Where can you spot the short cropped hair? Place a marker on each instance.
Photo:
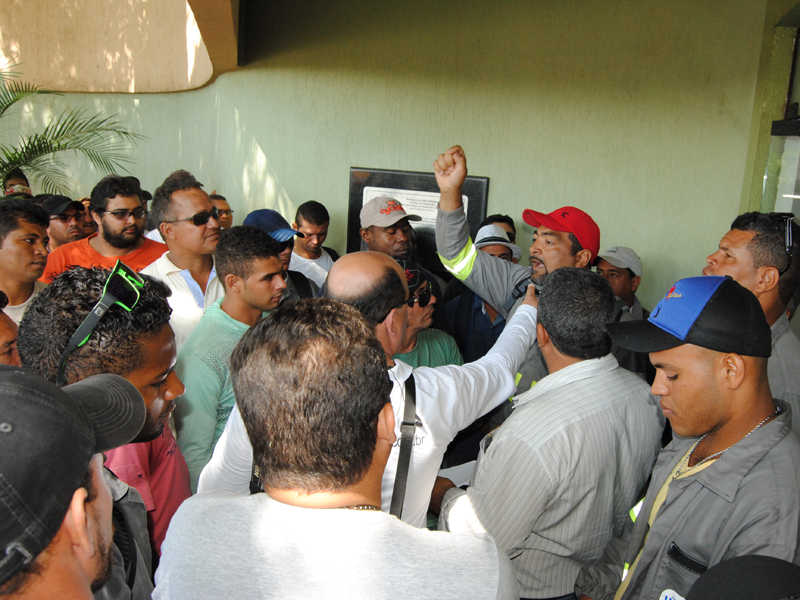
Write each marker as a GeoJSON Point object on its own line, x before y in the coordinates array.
{"type": "Point", "coordinates": [114, 345]}
{"type": "Point", "coordinates": [313, 213]}
{"type": "Point", "coordinates": [218, 197]}
{"type": "Point", "coordinates": [387, 293]}
{"type": "Point", "coordinates": [574, 307]}
{"type": "Point", "coordinates": [161, 207]}
{"type": "Point", "coordinates": [310, 382]}
{"type": "Point", "coordinates": [239, 246]}
{"type": "Point", "coordinates": [110, 187]}
{"type": "Point", "coordinates": [15, 174]}
{"type": "Point", "coordinates": [768, 248]}
{"type": "Point", "coordinates": [14, 210]}
{"type": "Point", "coordinates": [499, 219]}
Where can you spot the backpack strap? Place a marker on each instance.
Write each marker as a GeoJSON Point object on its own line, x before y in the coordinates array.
{"type": "Point", "coordinates": [407, 429]}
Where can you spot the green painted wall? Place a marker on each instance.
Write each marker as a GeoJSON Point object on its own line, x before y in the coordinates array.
{"type": "Point", "coordinates": [638, 112]}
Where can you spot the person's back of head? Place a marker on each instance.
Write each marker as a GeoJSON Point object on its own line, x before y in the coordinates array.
{"type": "Point", "coordinates": [371, 282]}
{"type": "Point", "coordinates": [768, 248]}
{"type": "Point", "coordinates": [574, 307]}
{"type": "Point", "coordinates": [310, 383]}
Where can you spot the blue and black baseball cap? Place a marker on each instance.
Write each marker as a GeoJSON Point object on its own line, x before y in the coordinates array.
{"type": "Point", "coordinates": [712, 312]}
{"type": "Point", "coordinates": [273, 223]}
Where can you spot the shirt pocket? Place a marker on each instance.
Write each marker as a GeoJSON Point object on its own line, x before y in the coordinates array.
{"type": "Point", "coordinates": [678, 571]}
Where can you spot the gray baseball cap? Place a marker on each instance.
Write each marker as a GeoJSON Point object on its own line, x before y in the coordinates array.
{"type": "Point", "coordinates": [384, 211]}
{"type": "Point", "coordinates": [623, 258]}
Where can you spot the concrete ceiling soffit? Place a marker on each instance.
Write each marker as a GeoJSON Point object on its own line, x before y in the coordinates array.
{"type": "Point", "coordinates": [133, 46]}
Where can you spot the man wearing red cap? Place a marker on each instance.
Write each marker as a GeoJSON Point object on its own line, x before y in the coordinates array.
{"type": "Point", "coordinates": [566, 237]}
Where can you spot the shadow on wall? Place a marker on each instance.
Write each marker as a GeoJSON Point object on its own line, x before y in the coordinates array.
{"type": "Point", "coordinates": [97, 46]}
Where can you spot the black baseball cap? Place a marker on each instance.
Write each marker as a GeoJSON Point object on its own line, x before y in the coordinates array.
{"type": "Point", "coordinates": [48, 436]}
{"type": "Point", "coordinates": [748, 578]}
{"type": "Point", "coordinates": [414, 274]}
{"type": "Point", "coordinates": [55, 205]}
{"type": "Point", "coordinates": [712, 312]}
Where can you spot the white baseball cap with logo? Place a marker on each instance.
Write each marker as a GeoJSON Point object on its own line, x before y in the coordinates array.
{"type": "Point", "coordinates": [623, 258]}
{"type": "Point", "coordinates": [384, 211]}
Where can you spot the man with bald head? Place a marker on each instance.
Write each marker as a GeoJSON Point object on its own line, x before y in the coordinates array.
{"type": "Point", "coordinates": [447, 399]}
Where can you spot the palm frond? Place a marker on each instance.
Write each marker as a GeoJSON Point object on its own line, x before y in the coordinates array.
{"type": "Point", "coordinates": [13, 92]}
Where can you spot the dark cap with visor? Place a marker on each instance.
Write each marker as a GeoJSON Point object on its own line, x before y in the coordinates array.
{"type": "Point", "coordinates": [711, 312]}
{"type": "Point", "coordinates": [48, 436]}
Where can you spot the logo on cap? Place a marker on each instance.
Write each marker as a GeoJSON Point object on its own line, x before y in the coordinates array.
{"type": "Point", "coordinates": [391, 206]}
{"type": "Point", "coordinates": [671, 293]}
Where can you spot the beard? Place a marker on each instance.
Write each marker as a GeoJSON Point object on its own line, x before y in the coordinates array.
{"type": "Point", "coordinates": [105, 566]}
{"type": "Point", "coordinates": [122, 241]}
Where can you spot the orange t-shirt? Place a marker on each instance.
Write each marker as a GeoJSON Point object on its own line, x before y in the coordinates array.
{"type": "Point", "coordinates": [81, 254]}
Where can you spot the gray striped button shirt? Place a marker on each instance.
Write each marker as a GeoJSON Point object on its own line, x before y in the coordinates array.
{"type": "Point", "coordinates": [555, 483]}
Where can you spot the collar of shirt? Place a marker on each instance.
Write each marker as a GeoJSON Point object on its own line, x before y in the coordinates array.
{"type": "Point", "coordinates": [730, 468]}
{"type": "Point", "coordinates": [566, 376]}
{"type": "Point", "coordinates": [194, 287]}
{"type": "Point", "coordinates": [779, 328]}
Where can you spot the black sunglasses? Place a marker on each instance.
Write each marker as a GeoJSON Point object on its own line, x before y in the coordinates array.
{"type": "Point", "coordinates": [788, 219]}
{"type": "Point", "coordinates": [122, 215]}
{"type": "Point", "coordinates": [122, 287]}
{"type": "Point", "coordinates": [200, 218]}
{"type": "Point", "coordinates": [423, 298]}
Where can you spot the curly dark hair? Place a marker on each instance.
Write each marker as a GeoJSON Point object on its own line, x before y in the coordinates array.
{"type": "Point", "coordinates": [110, 187]}
{"type": "Point", "coordinates": [113, 347]}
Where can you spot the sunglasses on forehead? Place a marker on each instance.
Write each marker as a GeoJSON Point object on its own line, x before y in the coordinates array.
{"type": "Point", "coordinates": [787, 219]}
{"type": "Point", "coordinates": [200, 218]}
{"type": "Point", "coordinates": [122, 288]}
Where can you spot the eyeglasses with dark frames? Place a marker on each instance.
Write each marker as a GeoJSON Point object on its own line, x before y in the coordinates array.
{"type": "Point", "coordinates": [788, 219]}
{"type": "Point", "coordinates": [225, 212]}
{"type": "Point", "coordinates": [123, 215]}
{"type": "Point", "coordinates": [77, 217]}
{"type": "Point", "coordinates": [122, 287]}
{"type": "Point", "coordinates": [200, 218]}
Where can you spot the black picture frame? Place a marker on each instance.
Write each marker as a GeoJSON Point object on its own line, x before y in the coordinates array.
{"type": "Point", "coordinates": [476, 189]}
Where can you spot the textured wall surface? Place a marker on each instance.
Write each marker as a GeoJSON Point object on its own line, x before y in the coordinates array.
{"type": "Point", "coordinates": [637, 112]}
{"type": "Point", "coordinates": [105, 46]}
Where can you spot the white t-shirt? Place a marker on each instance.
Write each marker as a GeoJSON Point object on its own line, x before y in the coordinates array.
{"type": "Point", "coordinates": [448, 398]}
{"type": "Point", "coordinates": [222, 545]}
{"type": "Point", "coordinates": [15, 312]}
{"type": "Point", "coordinates": [316, 269]}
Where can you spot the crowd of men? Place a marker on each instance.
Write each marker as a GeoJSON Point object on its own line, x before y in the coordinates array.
{"type": "Point", "coordinates": [196, 409]}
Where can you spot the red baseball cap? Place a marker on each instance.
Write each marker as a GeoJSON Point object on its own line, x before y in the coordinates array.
{"type": "Point", "coordinates": [569, 219]}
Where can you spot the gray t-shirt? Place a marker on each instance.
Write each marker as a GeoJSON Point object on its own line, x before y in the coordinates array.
{"type": "Point", "coordinates": [223, 545]}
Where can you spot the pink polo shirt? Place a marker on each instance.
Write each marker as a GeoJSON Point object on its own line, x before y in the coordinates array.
{"type": "Point", "coordinates": [158, 472]}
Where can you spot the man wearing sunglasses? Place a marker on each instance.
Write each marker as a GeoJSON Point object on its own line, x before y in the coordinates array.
{"type": "Point", "coordinates": [119, 212]}
{"type": "Point", "coordinates": [91, 321]}
{"type": "Point", "coordinates": [762, 253]}
{"type": "Point", "coordinates": [189, 223]}
{"type": "Point", "coordinates": [248, 265]}
{"type": "Point", "coordinates": [447, 398]}
{"type": "Point", "coordinates": [423, 346]}
{"type": "Point", "coordinates": [66, 220]}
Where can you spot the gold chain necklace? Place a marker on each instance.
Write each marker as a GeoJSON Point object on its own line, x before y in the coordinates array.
{"type": "Point", "coordinates": [681, 470]}
{"type": "Point", "coordinates": [360, 507]}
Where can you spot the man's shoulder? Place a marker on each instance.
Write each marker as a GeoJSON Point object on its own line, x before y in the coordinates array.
{"type": "Point", "coordinates": [72, 251]}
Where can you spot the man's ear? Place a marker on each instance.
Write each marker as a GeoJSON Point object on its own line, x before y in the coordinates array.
{"type": "Point", "coordinates": [79, 526]}
{"type": "Point", "coordinates": [767, 280]}
{"type": "Point", "coordinates": [583, 258]}
{"type": "Point", "coordinates": [635, 283]}
{"type": "Point", "coordinates": [541, 336]}
{"type": "Point", "coordinates": [734, 370]}
{"type": "Point", "coordinates": [295, 227]}
{"type": "Point", "coordinates": [366, 235]}
{"type": "Point", "coordinates": [232, 282]}
{"type": "Point", "coordinates": [166, 229]}
{"type": "Point", "coordinates": [386, 424]}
